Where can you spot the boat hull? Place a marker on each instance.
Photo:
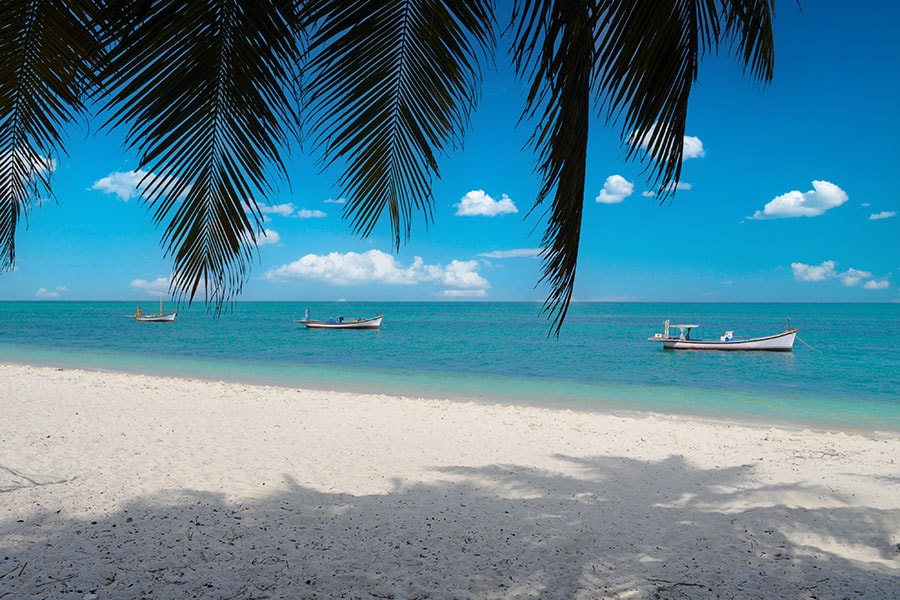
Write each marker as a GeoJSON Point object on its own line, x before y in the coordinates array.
{"type": "Point", "coordinates": [781, 342]}
{"type": "Point", "coordinates": [373, 323]}
{"type": "Point", "coordinates": [165, 318]}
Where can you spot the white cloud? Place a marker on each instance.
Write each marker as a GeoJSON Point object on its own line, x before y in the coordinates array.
{"type": "Point", "coordinates": [476, 203]}
{"type": "Point", "coordinates": [123, 185]}
{"type": "Point", "coordinates": [463, 274]}
{"type": "Point", "coordinates": [46, 294]}
{"type": "Point", "coordinates": [648, 194]}
{"type": "Point", "coordinates": [282, 210]}
{"type": "Point", "coordinates": [681, 185]}
{"type": "Point", "coordinates": [616, 189]}
{"type": "Point", "coordinates": [37, 165]}
{"type": "Point", "coordinates": [463, 293]}
{"type": "Point", "coordinates": [288, 209]}
{"type": "Point", "coordinates": [822, 272]}
{"type": "Point", "coordinates": [824, 196]}
{"type": "Point", "coordinates": [158, 286]}
{"type": "Point", "coordinates": [885, 214]}
{"type": "Point", "coordinates": [375, 266]}
{"type": "Point", "coordinates": [692, 146]}
{"type": "Point", "coordinates": [517, 253]}
{"type": "Point", "coordinates": [129, 185]}
{"type": "Point", "coordinates": [267, 237]}
{"type": "Point", "coordinates": [333, 201]}
{"type": "Point", "coordinates": [852, 277]}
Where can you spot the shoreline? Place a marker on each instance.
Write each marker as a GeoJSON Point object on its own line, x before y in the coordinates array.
{"type": "Point", "coordinates": [120, 485]}
{"type": "Point", "coordinates": [614, 406]}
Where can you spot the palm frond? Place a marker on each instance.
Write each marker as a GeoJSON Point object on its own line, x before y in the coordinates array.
{"type": "Point", "coordinates": [638, 59]}
{"type": "Point", "coordinates": [554, 45]}
{"type": "Point", "coordinates": [648, 58]}
{"type": "Point", "coordinates": [47, 54]}
{"type": "Point", "coordinates": [202, 88]}
{"type": "Point", "coordinates": [392, 84]}
{"type": "Point", "coordinates": [749, 25]}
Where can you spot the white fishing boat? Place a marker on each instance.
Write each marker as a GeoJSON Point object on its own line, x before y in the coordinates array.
{"type": "Point", "coordinates": [157, 317]}
{"type": "Point", "coordinates": [343, 323]}
{"type": "Point", "coordinates": [685, 339]}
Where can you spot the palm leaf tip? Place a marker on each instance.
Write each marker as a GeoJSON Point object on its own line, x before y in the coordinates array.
{"type": "Point", "coordinates": [393, 84]}
{"type": "Point", "coordinates": [48, 54]}
{"type": "Point", "coordinates": [204, 90]}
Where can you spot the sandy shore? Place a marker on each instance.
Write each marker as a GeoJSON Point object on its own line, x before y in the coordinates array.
{"type": "Point", "coordinates": [125, 486]}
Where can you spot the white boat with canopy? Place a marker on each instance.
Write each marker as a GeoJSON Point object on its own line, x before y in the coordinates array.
{"type": "Point", "coordinates": [686, 339]}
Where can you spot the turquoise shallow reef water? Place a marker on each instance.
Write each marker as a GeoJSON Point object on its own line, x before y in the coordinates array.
{"type": "Point", "coordinates": [844, 372]}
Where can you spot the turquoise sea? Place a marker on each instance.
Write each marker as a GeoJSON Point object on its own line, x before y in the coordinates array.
{"type": "Point", "coordinates": [844, 372]}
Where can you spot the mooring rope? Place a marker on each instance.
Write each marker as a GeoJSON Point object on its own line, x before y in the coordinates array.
{"type": "Point", "coordinates": [807, 345]}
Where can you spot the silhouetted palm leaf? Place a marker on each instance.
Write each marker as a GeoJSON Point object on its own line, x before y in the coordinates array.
{"type": "Point", "coordinates": [638, 59]}
{"type": "Point", "coordinates": [392, 83]}
{"type": "Point", "coordinates": [203, 88]}
{"type": "Point", "coordinates": [47, 55]}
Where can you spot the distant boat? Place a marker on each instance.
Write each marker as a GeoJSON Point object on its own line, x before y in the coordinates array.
{"type": "Point", "coordinates": [683, 340]}
{"type": "Point", "coordinates": [342, 323]}
{"type": "Point", "coordinates": [159, 317]}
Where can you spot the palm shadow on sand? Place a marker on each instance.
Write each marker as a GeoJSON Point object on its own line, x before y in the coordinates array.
{"type": "Point", "coordinates": [621, 529]}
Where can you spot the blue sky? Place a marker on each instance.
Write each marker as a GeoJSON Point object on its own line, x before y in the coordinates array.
{"type": "Point", "coordinates": [787, 195]}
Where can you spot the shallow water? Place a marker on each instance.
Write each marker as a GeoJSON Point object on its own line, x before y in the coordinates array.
{"type": "Point", "coordinates": [844, 371]}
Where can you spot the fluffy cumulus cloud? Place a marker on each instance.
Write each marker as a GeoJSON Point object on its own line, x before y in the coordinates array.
{"type": "Point", "coordinates": [158, 286]}
{"type": "Point", "coordinates": [123, 185]}
{"type": "Point", "coordinates": [885, 214]}
{"type": "Point", "coordinates": [615, 189]}
{"type": "Point", "coordinates": [681, 185]}
{"type": "Point", "coordinates": [289, 210]}
{"type": "Point", "coordinates": [129, 185]}
{"type": "Point", "coordinates": [478, 204]}
{"type": "Point", "coordinates": [34, 164]}
{"type": "Point", "coordinates": [268, 237]}
{"type": "Point", "coordinates": [463, 274]}
{"type": "Point", "coordinates": [45, 294]}
{"type": "Point", "coordinates": [517, 253]}
{"type": "Point", "coordinates": [374, 266]}
{"type": "Point", "coordinates": [692, 146]}
{"type": "Point", "coordinates": [824, 196]}
{"type": "Point", "coordinates": [822, 272]}
{"type": "Point", "coordinates": [828, 270]}
{"type": "Point", "coordinates": [282, 210]}
{"type": "Point", "coordinates": [852, 277]}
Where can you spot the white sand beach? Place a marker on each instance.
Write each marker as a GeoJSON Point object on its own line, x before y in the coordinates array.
{"type": "Point", "coordinates": [116, 486]}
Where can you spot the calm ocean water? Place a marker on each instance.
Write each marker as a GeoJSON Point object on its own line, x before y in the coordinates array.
{"type": "Point", "coordinates": [844, 372]}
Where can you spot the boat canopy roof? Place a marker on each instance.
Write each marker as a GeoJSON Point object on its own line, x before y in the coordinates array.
{"type": "Point", "coordinates": [686, 326]}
